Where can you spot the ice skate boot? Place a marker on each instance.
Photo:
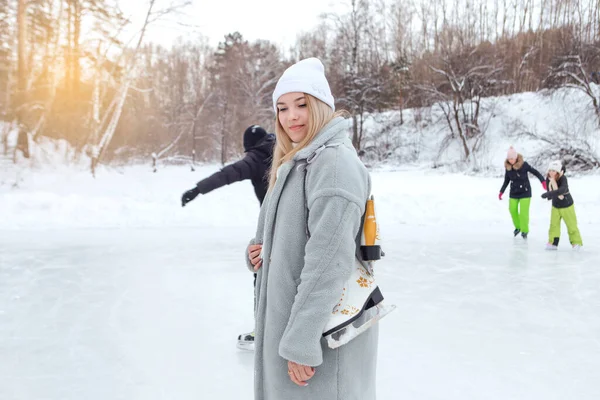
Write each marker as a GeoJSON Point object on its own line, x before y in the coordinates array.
{"type": "Point", "coordinates": [246, 341]}
{"type": "Point", "coordinates": [360, 307]}
{"type": "Point", "coordinates": [516, 232]}
{"type": "Point", "coordinates": [361, 302]}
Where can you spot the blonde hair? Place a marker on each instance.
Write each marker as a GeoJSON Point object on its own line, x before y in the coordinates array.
{"type": "Point", "coordinates": [319, 115]}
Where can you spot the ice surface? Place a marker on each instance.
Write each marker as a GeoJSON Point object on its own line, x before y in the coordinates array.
{"type": "Point", "coordinates": [110, 290]}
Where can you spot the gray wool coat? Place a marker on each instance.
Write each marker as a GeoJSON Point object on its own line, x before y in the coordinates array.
{"type": "Point", "coordinates": [306, 261]}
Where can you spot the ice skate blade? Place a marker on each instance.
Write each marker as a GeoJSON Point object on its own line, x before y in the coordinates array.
{"type": "Point", "coordinates": [349, 332]}
{"type": "Point", "coordinates": [245, 346]}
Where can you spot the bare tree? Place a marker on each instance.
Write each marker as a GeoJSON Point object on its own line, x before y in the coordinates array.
{"type": "Point", "coordinates": [116, 107]}
{"type": "Point", "coordinates": [119, 99]}
{"type": "Point", "coordinates": [21, 98]}
{"type": "Point", "coordinates": [357, 64]}
{"type": "Point", "coordinates": [6, 69]}
{"type": "Point", "coordinates": [463, 81]}
{"type": "Point", "coordinates": [261, 72]}
{"type": "Point", "coordinates": [572, 71]}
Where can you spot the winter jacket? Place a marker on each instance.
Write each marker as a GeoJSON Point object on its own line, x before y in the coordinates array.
{"type": "Point", "coordinates": [301, 278]}
{"type": "Point", "coordinates": [559, 193]}
{"type": "Point", "coordinates": [253, 166]}
{"type": "Point", "coordinates": [516, 175]}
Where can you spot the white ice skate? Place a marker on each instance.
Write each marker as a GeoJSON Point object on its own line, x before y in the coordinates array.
{"type": "Point", "coordinates": [246, 341]}
{"type": "Point", "coordinates": [551, 247]}
{"type": "Point", "coordinates": [359, 308]}
{"type": "Point", "coordinates": [361, 302]}
{"type": "Point", "coordinates": [576, 247]}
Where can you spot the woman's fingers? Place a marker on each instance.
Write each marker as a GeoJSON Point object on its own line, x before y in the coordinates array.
{"type": "Point", "coordinates": [255, 254]}
{"type": "Point", "coordinates": [297, 377]}
{"type": "Point", "coordinates": [305, 372]}
{"type": "Point", "coordinates": [302, 375]}
{"type": "Point", "coordinates": [299, 374]}
{"type": "Point", "coordinates": [309, 372]}
{"type": "Point", "coordinates": [294, 379]}
{"type": "Point", "coordinates": [294, 376]}
{"type": "Point", "coordinates": [254, 247]}
{"type": "Point", "coordinates": [254, 251]}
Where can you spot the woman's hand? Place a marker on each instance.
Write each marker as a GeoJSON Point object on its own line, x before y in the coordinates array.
{"type": "Point", "coordinates": [299, 374]}
{"type": "Point", "coordinates": [254, 251]}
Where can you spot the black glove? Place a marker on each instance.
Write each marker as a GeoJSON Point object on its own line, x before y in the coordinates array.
{"type": "Point", "coordinates": [189, 196]}
{"type": "Point", "coordinates": [545, 195]}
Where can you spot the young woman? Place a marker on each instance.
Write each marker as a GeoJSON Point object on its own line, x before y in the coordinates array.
{"type": "Point", "coordinates": [516, 174]}
{"type": "Point", "coordinates": [562, 207]}
{"type": "Point", "coordinates": [305, 248]}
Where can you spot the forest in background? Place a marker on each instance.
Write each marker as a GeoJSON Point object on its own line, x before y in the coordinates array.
{"type": "Point", "coordinates": [65, 72]}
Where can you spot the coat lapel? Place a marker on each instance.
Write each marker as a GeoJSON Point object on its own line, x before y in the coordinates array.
{"type": "Point", "coordinates": [333, 131]}
{"type": "Point", "coordinates": [284, 172]}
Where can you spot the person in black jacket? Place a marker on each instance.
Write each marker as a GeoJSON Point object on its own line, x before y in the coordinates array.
{"type": "Point", "coordinates": [516, 174]}
{"type": "Point", "coordinates": [563, 207]}
{"type": "Point", "coordinates": [258, 145]}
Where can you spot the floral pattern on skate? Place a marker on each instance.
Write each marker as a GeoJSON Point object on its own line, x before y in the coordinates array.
{"type": "Point", "coordinates": [364, 281]}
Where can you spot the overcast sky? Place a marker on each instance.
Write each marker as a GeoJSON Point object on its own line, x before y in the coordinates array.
{"type": "Point", "coordinates": [275, 20]}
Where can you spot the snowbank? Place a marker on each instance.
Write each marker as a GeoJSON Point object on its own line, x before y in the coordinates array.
{"type": "Point", "coordinates": [564, 114]}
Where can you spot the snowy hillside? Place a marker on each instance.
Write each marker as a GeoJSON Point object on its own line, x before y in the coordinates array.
{"type": "Point", "coordinates": [564, 116]}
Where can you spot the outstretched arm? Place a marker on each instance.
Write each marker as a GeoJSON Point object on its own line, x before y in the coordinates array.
{"type": "Point", "coordinates": [236, 172]}
{"type": "Point", "coordinates": [536, 173]}
{"type": "Point", "coordinates": [506, 182]}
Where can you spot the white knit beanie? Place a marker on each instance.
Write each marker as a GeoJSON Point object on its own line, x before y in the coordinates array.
{"type": "Point", "coordinates": [555, 165]}
{"type": "Point", "coordinates": [306, 76]}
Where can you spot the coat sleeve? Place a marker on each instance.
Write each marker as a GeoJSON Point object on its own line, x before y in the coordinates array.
{"type": "Point", "coordinates": [535, 172]}
{"type": "Point", "coordinates": [563, 187]}
{"type": "Point", "coordinates": [243, 169]}
{"type": "Point", "coordinates": [506, 182]}
{"type": "Point", "coordinates": [247, 255]}
{"type": "Point", "coordinates": [334, 221]}
{"type": "Point", "coordinates": [258, 237]}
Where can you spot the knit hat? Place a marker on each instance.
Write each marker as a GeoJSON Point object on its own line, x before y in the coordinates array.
{"type": "Point", "coordinates": [512, 153]}
{"type": "Point", "coordinates": [306, 76]}
{"type": "Point", "coordinates": [252, 135]}
{"type": "Point", "coordinates": [555, 165]}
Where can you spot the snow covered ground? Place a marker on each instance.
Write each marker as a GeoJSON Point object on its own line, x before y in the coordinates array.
{"type": "Point", "coordinates": [564, 117]}
{"type": "Point", "coordinates": [110, 290]}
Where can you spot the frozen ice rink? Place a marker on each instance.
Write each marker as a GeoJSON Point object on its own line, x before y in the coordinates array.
{"type": "Point", "coordinates": [144, 300]}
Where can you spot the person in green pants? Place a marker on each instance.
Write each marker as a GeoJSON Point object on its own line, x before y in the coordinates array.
{"type": "Point", "coordinates": [563, 207]}
{"type": "Point", "coordinates": [516, 174]}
